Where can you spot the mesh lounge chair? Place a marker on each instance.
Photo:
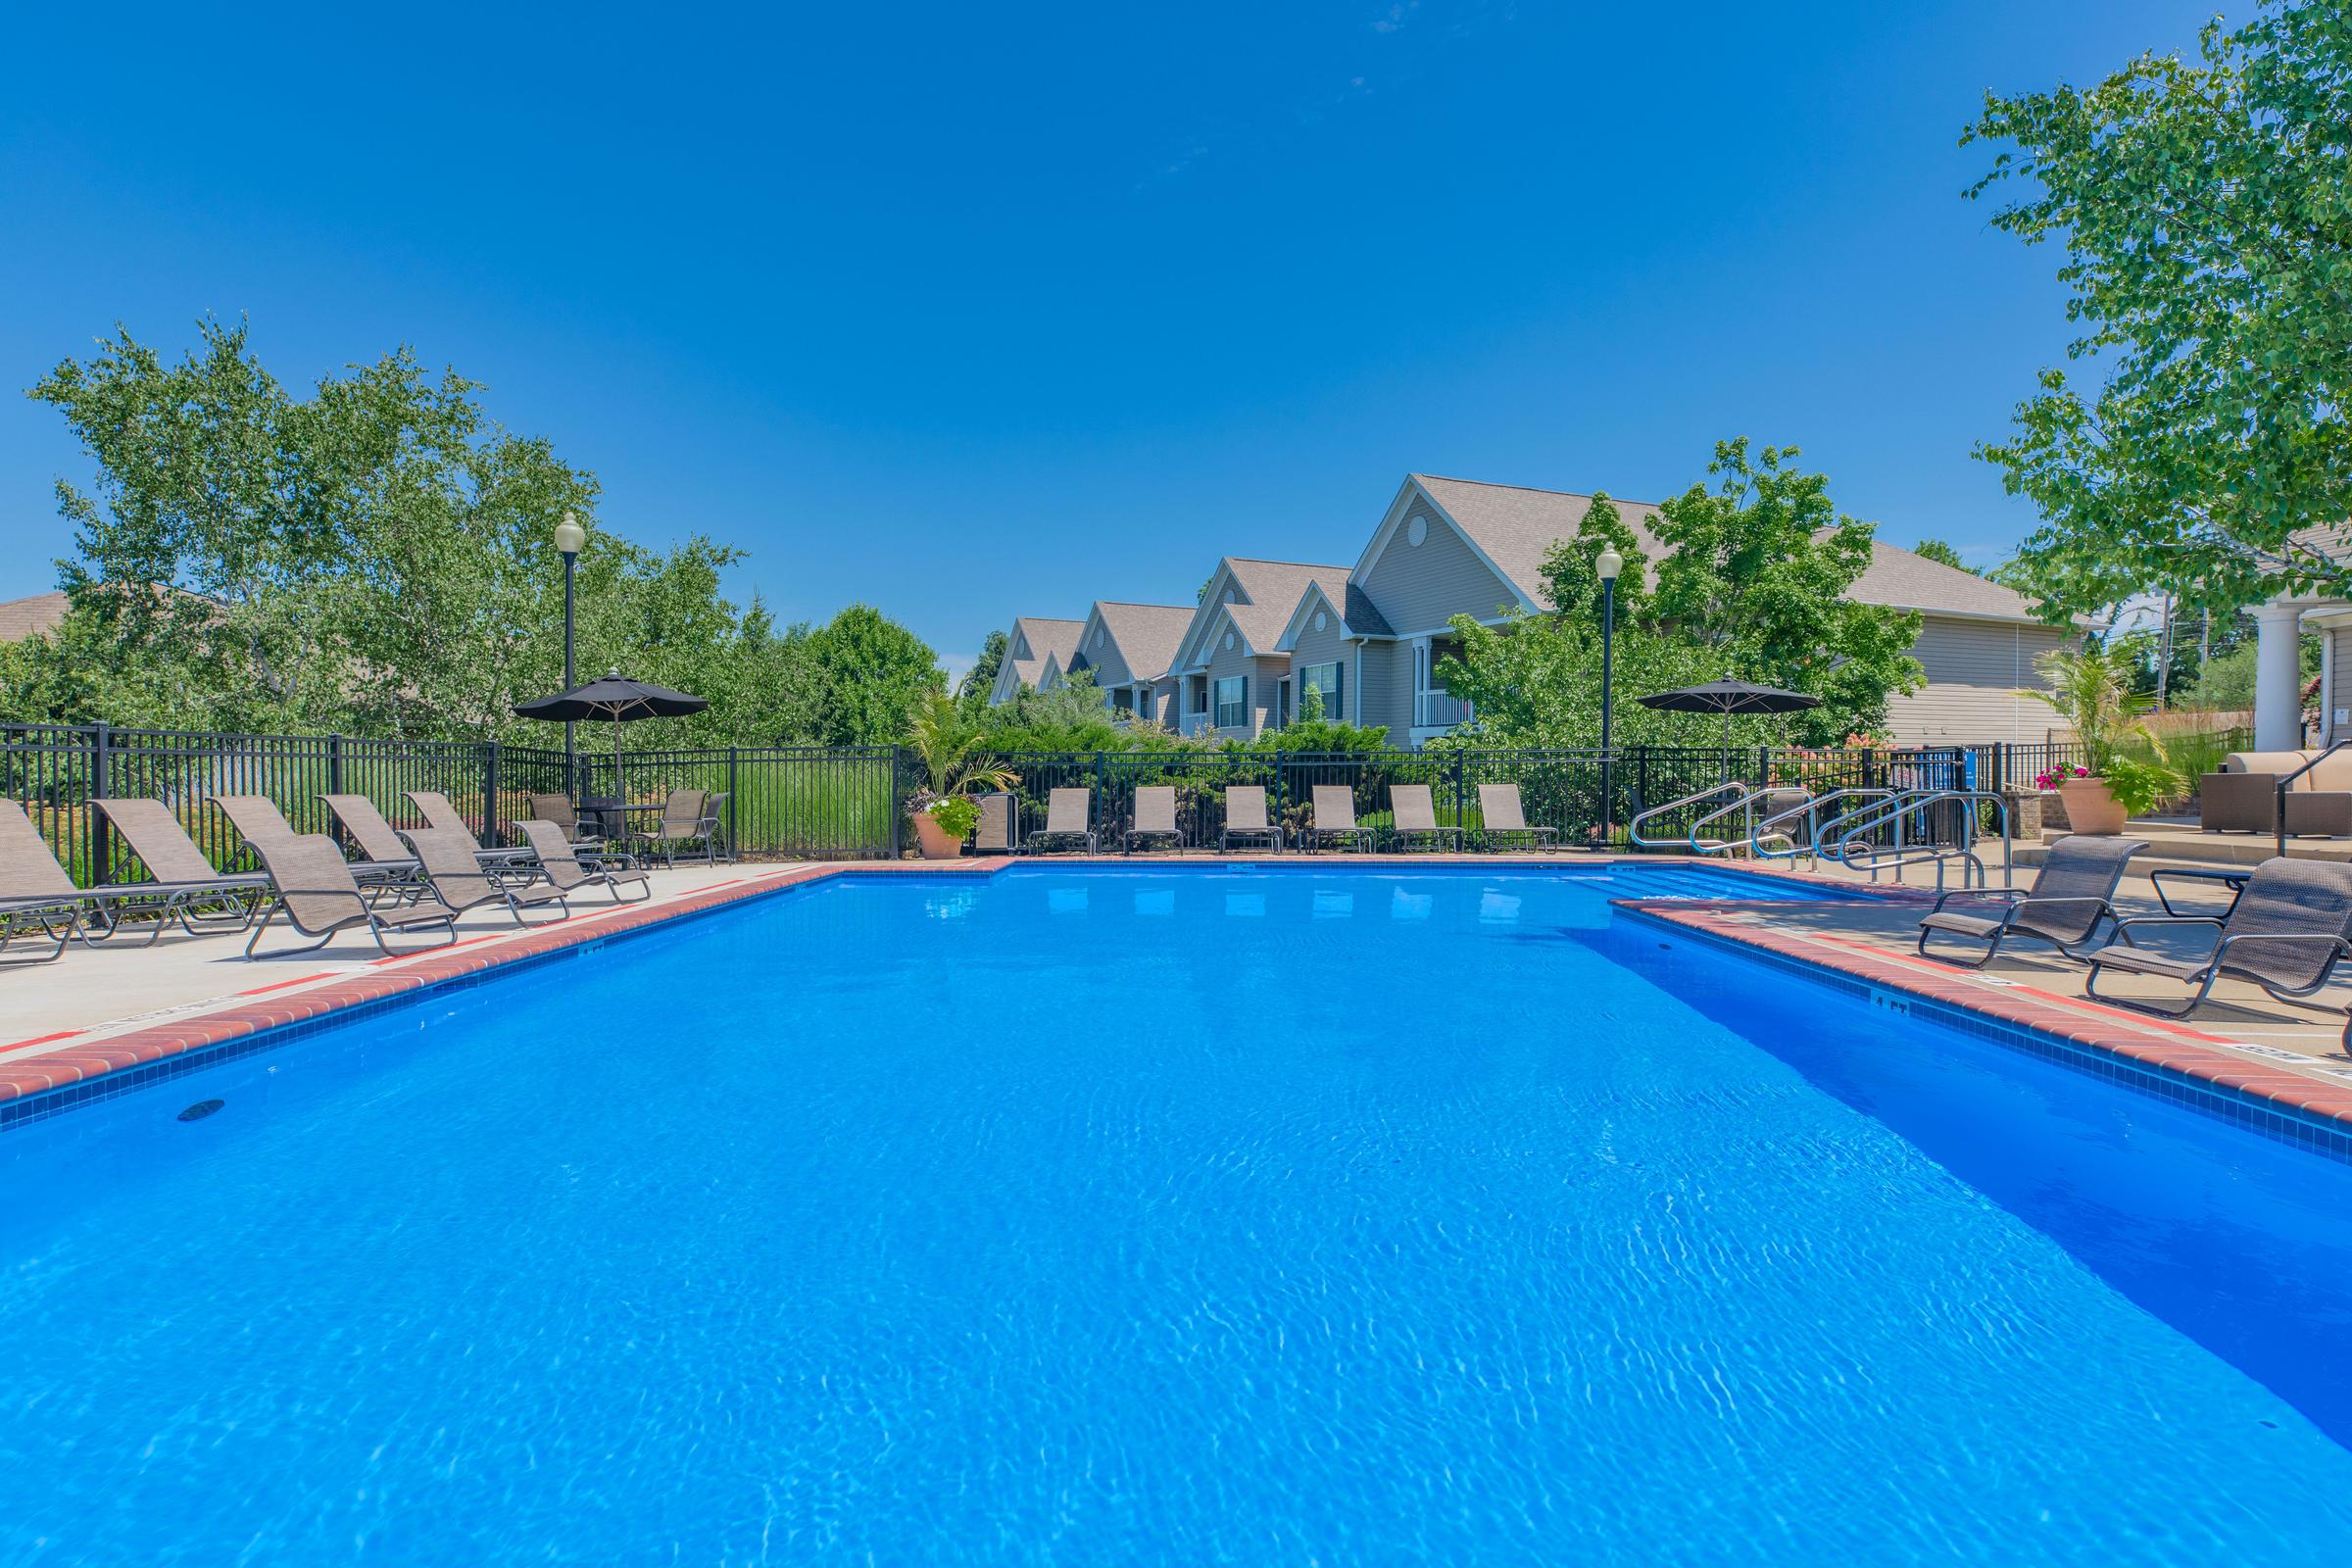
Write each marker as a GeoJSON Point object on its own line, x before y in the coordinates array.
{"type": "Point", "coordinates": [1155, 818]}
{"type": "Point", "coordinates": [590, 850]}
{"type": "Point", "coordinates": [317, 894]}
{"type": "Point", "coordinates": [258, 820]}
{"type": "Point", "coordinates": [686, 818]}
{"type": "Point", "coordinates": [1416, 816]}
{"type": "Point", "coordinates": [1334, 818]}
{"type": "Point", "coordinates": [206, 899]}
{"type": "Point", "coordinates": [460, 882]}
{"type": "Point", "coordinates": [1246, 818]}
{"type": "Point", "coordinates": [380, 847]}
{"type": "Point", "coordinates": [443, 818]}
{"type": "Point", "coordinates": [2073, 895]}
{"type": "Point", "coordinates": [2286, 934]}
{"type": "Point", "coordinates": [993, 835]}
{"type": "Point", "coordinates": [1500, 812]}
{"type": "Point", "coordinates": [1065, 824]}
{"type": "Point", "coordinates": [36, 893]}
{"type": "Point", "coordinates": [566, 871]}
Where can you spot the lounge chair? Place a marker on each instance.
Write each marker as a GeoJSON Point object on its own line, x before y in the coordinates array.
{"type": "Point", "coordinates": [1334, 818]}
{"type": "Point", "coordinates": [2073, 895]}
{"type": "Point", "coordinates": [460, 882]}
{"type": "Point", "coordinates": [380, 847]}
{"type": "Point", "coordinates": [205, 897]}
{"type": "Point", "coordinates": [566, 871]}
{"type": "Point", "coordinates": [258, 820]}
{"type": "Point", "coordinates": [2288, 932]}
{"type": "Point", "coordinates": [592, 850]}
{"type": "Point", "coordinates": [685, 819]}
{"type": "Point", "coordinates": [1246, 818]}
{"type": "Point", "coordinates": [1065, 822]}
{"type": "Point", "coordinates": [993, 835]}
{"type": "Point", "coordinates": [443, 818]}
{"type": "Point", "coordinates": [1155, 818]}
{"type": "Point", "coordinates": [36, 893]}
{"type": "Point", "coordinates": [1500, 811]}
{"type": "Point", "coordinates": [1416, 816]}
{"type": "Point", "coordinates": [314, 889]}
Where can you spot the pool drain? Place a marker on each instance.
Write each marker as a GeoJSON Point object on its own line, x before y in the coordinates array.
{"type": "Point", "coordinates": [201, 1110]}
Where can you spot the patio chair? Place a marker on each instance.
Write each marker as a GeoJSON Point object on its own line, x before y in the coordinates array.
{"type": "Point", "coordinates": [565, 871]}
{"type": "Point", "coordinates": [1246, 818]}
{"type": "Point", "coordinates": [1155, 818]}
{"type": "Point", "coordinates": [1416, 816]}
{"type": "Point", "coordinates": [443, 818]}
{"type": "Point", "coordinates": [1499, 812]}
{"type": "Point", "coordinates": [460, 882]}
{"type": "Point", "coordinates": [206, 899]}
{"type": "Point", "coordinates": [2073, 895]}
{"type": "Point", "coordinates": [591, 849]}
{"type": "Point", "coordinates": [685, 819]}
{"type": "Point", "coordinates": [313, 887]}
{"type": "Point", "coordinates": [993, 835]}
{"type": "Point", "coordinates": [379, 844]}
{"type": "Point", "coordinates": [1065, 822]}
{"type": "Point", "coordinates": [723, 833]}
{"type": "Point", "coordinates": [36, 893]}
{"type": "Point", "coordinates": [2286, 934]}
{"type": "Point", "coordinates": [1334, 818]}
{"type": "Point", "coordinates": [258, 820]}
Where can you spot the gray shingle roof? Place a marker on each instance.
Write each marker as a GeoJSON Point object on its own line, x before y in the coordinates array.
{"type": "Point", "coordinates": [1275, 588]}
{"type": "Point", "coordinates": [1148, 635]}
{"type": "Point", "coordinates": [20, 618]}
{"type": "Point", "coordinates": [1517, 528]}
{"type": "Point", "coordinates": [1047, 637]}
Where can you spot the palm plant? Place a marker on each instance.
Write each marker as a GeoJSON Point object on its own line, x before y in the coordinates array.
{"type": "Point", "coordinates": [947, 744]}
{"type": "Point", "coordinates": [2089, 687]}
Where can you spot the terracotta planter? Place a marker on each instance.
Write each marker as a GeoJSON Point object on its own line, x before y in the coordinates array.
{"type": "Point", "coordinates": [2090, 808]}
{"type": "Point", "coordinates": [936, 841]}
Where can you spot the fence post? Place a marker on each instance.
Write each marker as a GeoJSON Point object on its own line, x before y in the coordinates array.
{"type": "Point", "coordinates": [1101, 814]}
{"type": "Point", "coordinates": [490, 835]}
{"type": "Point", "coordinates": [102, 832]}
{"type": "Point", "coordinates": [1641, 781]}
{"type": "Point", "coordinates": [1461, 817]}
{"type": "Point", "coordinates": [334, 764]}
{"type": "Point", "coordinates": [734, 798]}
{"type": "Point", "coordinates": [898, 760]}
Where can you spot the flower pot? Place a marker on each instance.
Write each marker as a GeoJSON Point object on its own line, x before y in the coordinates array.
{"type": "Point", "coordinates": [936, 841]}
{"type": "Point", "coordinates": [2091, 807]}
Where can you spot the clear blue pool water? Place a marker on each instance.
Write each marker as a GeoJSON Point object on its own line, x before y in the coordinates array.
{"type": "Point", "coordinates": [1180, 1216]}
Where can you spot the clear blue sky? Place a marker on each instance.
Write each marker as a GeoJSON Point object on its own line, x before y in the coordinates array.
{"type": "Point", "coordinates": [967, 310]}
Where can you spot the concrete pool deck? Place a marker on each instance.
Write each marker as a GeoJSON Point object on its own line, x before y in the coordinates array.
{"type": "Point", "coordinates": [95, 1017]}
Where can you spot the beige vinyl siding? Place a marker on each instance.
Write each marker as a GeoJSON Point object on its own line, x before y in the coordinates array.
{"type": "Point", "coordinates": [1164, 699]}
{"type": "Point", "coordinates": [1976, 672]}
{"type": "Point", "coordinates": [1327, 647]}
{"type": "Point", "coordinates": [1262, 672]}
{"type": "Point", "coordinates": [2339, 683]}
{"type": "Point", "coordinates": [1420, 587]}
{"type": "Point", "coordinates": [1109, 668]}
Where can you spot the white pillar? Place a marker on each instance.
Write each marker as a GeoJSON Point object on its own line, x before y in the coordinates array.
{"type": "Point", "coordinates": [2278, 677]}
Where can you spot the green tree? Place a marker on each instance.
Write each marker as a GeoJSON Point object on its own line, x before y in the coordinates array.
{"type": "Point", "coordinates": [2201, 207]}
{"type": "Point", "coordinates": [979, 680]}
{"type": "Point", "coordinates": [868, 672]}
{"type": "Point", "coordinates": [1942, 554]}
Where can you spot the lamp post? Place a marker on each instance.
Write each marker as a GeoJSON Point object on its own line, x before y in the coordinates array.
{"type": "Point", "coordinates": [569, 537]}
{"type": "Point", "coordinates": [1608, 565]}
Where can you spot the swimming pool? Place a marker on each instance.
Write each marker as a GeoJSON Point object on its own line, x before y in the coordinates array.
{"type": "Point", "coordinates": [1096, 1216]}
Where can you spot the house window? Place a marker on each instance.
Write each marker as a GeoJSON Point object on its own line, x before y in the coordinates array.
{"type": "Point", "coordinates": [1233, 702]}
{"type": "Point", "coordinates": [1122, 699]}
{"type": "Point", "coordinates": [1324, 678]}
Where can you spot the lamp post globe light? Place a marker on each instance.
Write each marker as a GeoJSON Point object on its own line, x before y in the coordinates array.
{"type": "Point", "coordinates": [1608, 565]}
{"type": "Point", "coordinates": [569, 538]}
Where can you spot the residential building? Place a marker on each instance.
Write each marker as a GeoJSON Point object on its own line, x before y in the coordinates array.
{"type": "Point", "coordinates": [1231, 671]}
{"type": "Point", "coordinates": [1129, 650]}
{"type": "Point", "coordinates": [20, 618]}
{"type": "Point", "coordinates": [1032, 641]}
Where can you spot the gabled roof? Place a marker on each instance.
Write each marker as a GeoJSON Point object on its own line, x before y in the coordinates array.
{"type": "Point", "coordinates": [1359, 620]}
{"type": "Point", "coordinates": [1269, 591]}
{"type": "Point", "coordinates": [20, 618]}
{"type": "Point", "coordinates": [1898, 578]}
{"type": "Point", "coordinates": [1044, 636]}
{"type": "Point", "coordinates": [1515, 527]}
{"type": "Point", "coordinates": [1147, 635]}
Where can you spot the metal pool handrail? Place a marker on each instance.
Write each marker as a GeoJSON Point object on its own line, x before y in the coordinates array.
{"type": "Point", "coordinates": [1899, 811]}
{"type": "Point", "coordinates": [1811, 846]}
{"type": "Point", "coordinates": [1633, 829]}
{"type": "Point", "coordinates": [1754, 830]}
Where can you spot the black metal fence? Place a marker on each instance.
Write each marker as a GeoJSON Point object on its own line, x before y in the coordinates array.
{"type": "Point", "coordinates": [849, 803]}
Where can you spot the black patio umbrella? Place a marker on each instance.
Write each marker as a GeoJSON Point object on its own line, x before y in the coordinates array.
{"type": "Point", "coordinates": [615, 697]}
{"type": "Point", "coordinates": [1728, 697]}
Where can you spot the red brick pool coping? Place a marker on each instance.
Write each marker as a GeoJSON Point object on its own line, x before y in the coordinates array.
{"type": "Point", "coordinates": [277, 1005]}
{"type": "Point", "coordinates": [2148, 1043]}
